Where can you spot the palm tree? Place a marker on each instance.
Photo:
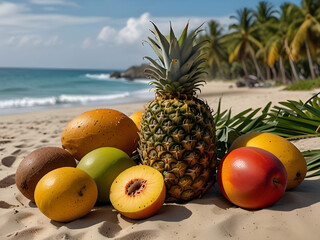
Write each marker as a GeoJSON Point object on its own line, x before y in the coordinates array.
{"type": "Point", "coordinates": [216, 50]}
{"type": "Point", "coordinates": [264, 14]}
{"type": "Point", "coordinates": [243, 40]}
{"type": "Point", "coordinates": [307, 21]}
{"type": "Point", "coordinates": [278, 41]}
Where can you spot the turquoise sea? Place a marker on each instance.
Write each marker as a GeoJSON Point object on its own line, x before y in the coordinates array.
{"type": "Point", "coordinates": [26, 89]}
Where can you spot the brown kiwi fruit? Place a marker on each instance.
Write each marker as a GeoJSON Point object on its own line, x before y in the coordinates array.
{"type": "Point", "coordinates": [37, 164]}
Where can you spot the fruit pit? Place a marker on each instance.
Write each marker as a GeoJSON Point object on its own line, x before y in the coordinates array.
{"type": "Point", "coordinates": [135, 187]}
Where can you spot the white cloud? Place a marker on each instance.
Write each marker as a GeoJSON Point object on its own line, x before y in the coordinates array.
{"type": "Point", "coordinates": [131, 33]}
{"type": "Point", "coordinates": [137, 29]}
{"type": "Point", "coordinates": [87, 43]}
{"type": "Point", "coordinates": [10, 41]}
{"type": "Point", "coordinates": [29, 39]}
{"type": "Point", "coordinates": [8, 8]}
{"type": "Point", "coordinates": [225, 22]}
{"type": "Point", "coordinates": [20, 27]}
{"type": "Point", "coordinates": [107, 34]}
{"type": "Point", "coordinates": [14, 15]}
{"type": "Point", "coordinates": [46, 20]}
{"type": "Point", "coordinates": [33, 40]}
{"type": "Point", "coordinates": [134, 29]}
{"type": "Point", "coordinates": [53, 41]}
{"type": "Point", "coordinates": [54, 2]}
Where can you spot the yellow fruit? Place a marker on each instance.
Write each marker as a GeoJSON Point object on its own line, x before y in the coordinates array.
{"type": "Point", "coordinates": [100, 128]}
{"type": "Point", "coordinates": [287, 153]}
{"type": "Point", "coordinates": [66, 194]}
{"type": "Point", "coordinates": [138, 192]}
{"type": "Point", "coordinates": [136, 117]}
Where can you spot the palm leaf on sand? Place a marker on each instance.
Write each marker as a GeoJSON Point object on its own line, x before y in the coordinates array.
{"type": "Point", "coordinates": [295, 120]}
{"type": "Point", "coordinates": [228, 127]}
{"type": "Point", "coordinates": [313, 162]}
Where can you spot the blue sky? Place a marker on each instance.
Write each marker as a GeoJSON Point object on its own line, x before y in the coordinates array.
{"type": "Point", "coordinates": [101, 34]}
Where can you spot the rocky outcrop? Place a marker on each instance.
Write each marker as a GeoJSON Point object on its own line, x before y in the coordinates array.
{"type": "Point", "coordinates": [135, 72]}
{"type": "Point", "coordinates": [131, 73]}
{"type": "Point", "coordinates": [115, 75]}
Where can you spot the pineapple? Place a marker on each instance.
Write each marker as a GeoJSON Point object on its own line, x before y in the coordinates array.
{"type": "Point", "coordinates": [177, 129]}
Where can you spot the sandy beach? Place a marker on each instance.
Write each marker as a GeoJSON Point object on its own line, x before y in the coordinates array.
{"type": "Point", "coordinates": [295, 216]}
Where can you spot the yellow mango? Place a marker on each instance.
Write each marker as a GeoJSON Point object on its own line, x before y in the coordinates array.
{"type": "Point", "coordinates": [136, 117]}
{"type": "Point", "coordinates": [66, 194]}
{"type": "Point", "coordinates": [287, 153]}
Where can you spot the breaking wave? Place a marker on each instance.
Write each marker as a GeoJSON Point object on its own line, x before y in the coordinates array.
{"type": "Point", "coordinates": [102, 76]}
{"type": "Point", "coordinates": [62, 99]}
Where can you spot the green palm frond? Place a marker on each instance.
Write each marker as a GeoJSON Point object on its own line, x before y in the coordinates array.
{"type": "Point", "coordinates": [265, 11]}
{"type": "Point", "coordinates": [295, 118]}
{"type": "Point", "coordinates": [299, 39]}
{"type": "Point", "coordinates": [313, 162]}
{"type": "Point", "coordinates": [255, 41]}
{"type": "Point", "coordinates": [243, 35]}
{"type": "Point", "coordinates": [215, 48]}
{"type": "Point", "coordinates": [235, 53]}
{"type": "Point", "coordinates": [229, 127]}
{"type": "Point", "coordinates": [274, 53]}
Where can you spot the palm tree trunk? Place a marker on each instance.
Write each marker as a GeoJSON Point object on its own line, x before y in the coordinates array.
{"type": "Point", "coordinates": [282, 70]}
{"type": "Point", "coordinates": [257, 67]}
{"type": "Point", "coordinates": [309, 59]}
{"type": "Point", "coordinates": [244, 69]}
{"type": "Point", "coordinates": [268, 72]}
{"type": "Point", "coordinates": [274, 73]}
{"type": "Point", "coordinates": [294, 71]}
{"type": "Point", "coordinates": [221, 73]}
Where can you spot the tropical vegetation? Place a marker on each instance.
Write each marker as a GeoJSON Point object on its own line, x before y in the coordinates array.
{"type": "Point", "coordinates": [279, 44]}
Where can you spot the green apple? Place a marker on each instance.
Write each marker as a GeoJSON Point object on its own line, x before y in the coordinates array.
{"type": "Point", "coordinates": [104, 165]}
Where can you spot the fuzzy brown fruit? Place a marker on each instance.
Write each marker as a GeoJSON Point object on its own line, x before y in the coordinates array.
{"type": "Point", "coordinates": [37, 164]}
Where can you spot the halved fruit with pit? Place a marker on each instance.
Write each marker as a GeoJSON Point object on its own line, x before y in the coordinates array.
{"type": "Point", "coordinates": [138, 192]}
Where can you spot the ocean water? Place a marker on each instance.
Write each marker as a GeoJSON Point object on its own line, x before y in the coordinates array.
{"type": "Point", "coordinates": [27, 90]}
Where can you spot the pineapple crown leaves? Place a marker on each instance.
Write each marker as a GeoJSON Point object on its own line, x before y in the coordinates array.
{"type": "Point", "coordinates": [180, 67]}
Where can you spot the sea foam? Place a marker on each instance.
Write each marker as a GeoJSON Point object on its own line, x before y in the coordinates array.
{"type": "Point", "coordinates": [62, 99]}
{"type": "Point", "coordinates": [89, 98]}
{"type": "Point", "coordinates": [102, 76]}
{"type": "Point", "coordinates": [27, 102]}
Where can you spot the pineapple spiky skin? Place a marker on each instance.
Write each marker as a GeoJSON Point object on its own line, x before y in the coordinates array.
{"type": "Point", "coordinates": [178, 139]}
{"type": "Point", "coordinates": [178, 135]}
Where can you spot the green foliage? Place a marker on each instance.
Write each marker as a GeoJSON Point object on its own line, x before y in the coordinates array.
{"type": "Point", "coordinates": [215, 50]}
{"type": "Point", "coordinates": [313, 162]}
{"type": "Point", "coordinates": [304, 85]}
{"type": "Point", "coordinates": [278, 84]}
{"type": "Point", "coordinates": [295, 119]}
{"type": "Point", "coordinates": [266, 37]}
{"type": "Point", "coordinates": [228, 127]}
{"type": "Point", "coordinates": [180, 70]}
